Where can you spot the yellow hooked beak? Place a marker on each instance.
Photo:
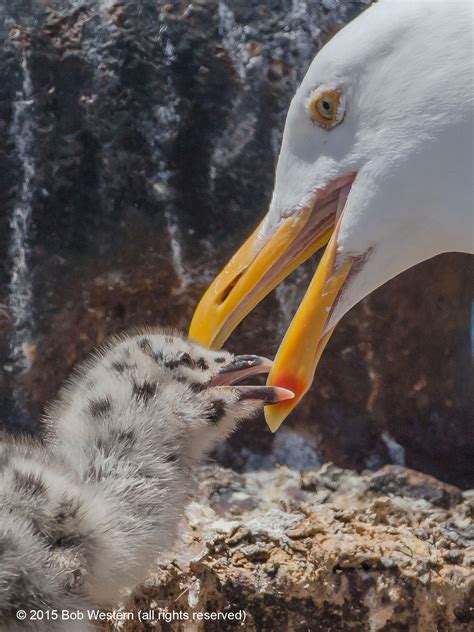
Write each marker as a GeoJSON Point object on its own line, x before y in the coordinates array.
{"type": "Point", "coordinates": [306, 338]}
{"type": "Point", "coordinates": [259, 266]}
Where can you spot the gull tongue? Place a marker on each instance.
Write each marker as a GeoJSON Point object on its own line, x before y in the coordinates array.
{"type": "Point", "coordinates": [240, 368]}
{"type": "Point", "coordinates": [265, 394]}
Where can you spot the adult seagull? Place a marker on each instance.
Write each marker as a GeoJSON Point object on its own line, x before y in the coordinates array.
{"type": "Point", "coordinates": [376, 162]}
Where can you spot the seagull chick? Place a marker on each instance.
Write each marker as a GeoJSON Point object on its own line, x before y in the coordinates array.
{"type": "Point", "coordinates": [85, 512]}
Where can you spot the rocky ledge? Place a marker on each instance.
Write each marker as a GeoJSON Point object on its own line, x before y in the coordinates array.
{"type": "Point", "coordinates": [326, 550]}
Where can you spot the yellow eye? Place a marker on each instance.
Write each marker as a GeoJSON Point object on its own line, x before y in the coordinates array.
{"type": "Point", "coordinates": [326, 108]}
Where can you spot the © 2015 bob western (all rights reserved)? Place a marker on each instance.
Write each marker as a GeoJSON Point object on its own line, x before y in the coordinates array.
{"type": "Point", "coordinates": [376, 164]}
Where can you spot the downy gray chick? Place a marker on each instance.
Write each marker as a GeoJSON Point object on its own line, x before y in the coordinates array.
{"type": "Point", "coordinates": [85, 512]}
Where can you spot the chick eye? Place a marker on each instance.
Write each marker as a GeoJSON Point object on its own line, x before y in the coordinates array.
{"type": "Point", "coordinates": [185, 359]}
{"type": "Point", "coordinates": [326, 108]}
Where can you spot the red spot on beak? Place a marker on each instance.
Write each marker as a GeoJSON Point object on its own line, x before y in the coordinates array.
{"type": "Point", "coordinates": [292, 383]}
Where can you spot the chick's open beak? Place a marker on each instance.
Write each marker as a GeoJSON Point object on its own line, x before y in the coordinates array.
{"type": "Point", "coordinates": [264, 260]}
{"type": "Point", "coordinates": [243, 367]}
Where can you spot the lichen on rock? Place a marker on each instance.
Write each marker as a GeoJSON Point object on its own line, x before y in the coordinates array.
{"type": "Point", "coordinates": [322, 550]}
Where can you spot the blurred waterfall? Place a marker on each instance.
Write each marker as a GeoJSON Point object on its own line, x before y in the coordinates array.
{"type": "Point", "coordinates": [20, 287]}
{"type": "Point", "coordinates": [242, 120]}
{"type": "Point", "coordinates": [168, 120]}
{"type": "Point", "coordinates": [233, 39]}
{"type": "Point", "coordinates": [176, 249]}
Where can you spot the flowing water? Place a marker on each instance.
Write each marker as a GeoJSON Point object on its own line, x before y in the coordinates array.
{"type": "Point", "coordinates": [166, 128]}
{"type": "Point", "coordinates": [242, 121]}
{"type": "Point", "coordinates": [20, 297]}
{"type": "Point", "coordinates": [176, 249]}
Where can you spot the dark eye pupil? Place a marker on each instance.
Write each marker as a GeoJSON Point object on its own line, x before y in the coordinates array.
{"type": "Point", "coordinates": [326, 105]}
{"type": "Point", "coordinates": [185, 359]}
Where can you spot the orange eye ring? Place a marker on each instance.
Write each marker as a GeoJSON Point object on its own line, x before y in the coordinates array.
{"type": "Point", "coordinates": [326, 108]}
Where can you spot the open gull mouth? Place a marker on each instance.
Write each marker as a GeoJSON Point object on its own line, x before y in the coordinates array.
{"type": "Point", "coordinates": [243, 367]}
{"type": "Point", "coordinates": [264, 260]}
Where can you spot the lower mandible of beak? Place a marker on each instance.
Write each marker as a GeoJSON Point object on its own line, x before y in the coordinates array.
{"type": "Point", "coordinates": [299, 353]}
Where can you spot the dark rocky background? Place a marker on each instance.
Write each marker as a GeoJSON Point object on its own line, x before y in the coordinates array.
{"type": "Point", "coordinates": [137, 146]}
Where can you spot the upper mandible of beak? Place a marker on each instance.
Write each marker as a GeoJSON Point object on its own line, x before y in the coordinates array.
{"type": "Point", "coordinates": [264, 260]}
{"type": "Point", "coordinates": [256, 268]}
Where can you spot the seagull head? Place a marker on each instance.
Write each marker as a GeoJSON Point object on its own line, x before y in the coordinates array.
{"type": "Point", "coordinates": [373, 166]}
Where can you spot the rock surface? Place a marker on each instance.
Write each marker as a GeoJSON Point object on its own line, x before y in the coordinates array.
{"type": "Point", "coordinates": [137, 149]}
{"type": "Point", "coordinates": [317, 551]}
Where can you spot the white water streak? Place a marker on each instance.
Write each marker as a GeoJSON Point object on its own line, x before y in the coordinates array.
{"type": "Point", "coordinates": [168, 118]}
{"type": "Point", "coordinates": [233, 38]}
{"type": "Point", "coordinates": [176, 250]}
{"type": "Point", "coordinates": [242, 124]}
{"type": "Point", "coordinates": [20, 286]}
{"type": "Point", "coordinates": [303, 29]}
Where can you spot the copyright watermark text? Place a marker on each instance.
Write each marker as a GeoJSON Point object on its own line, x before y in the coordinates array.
{"type": "Point", "coordinates": [159, 614]}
